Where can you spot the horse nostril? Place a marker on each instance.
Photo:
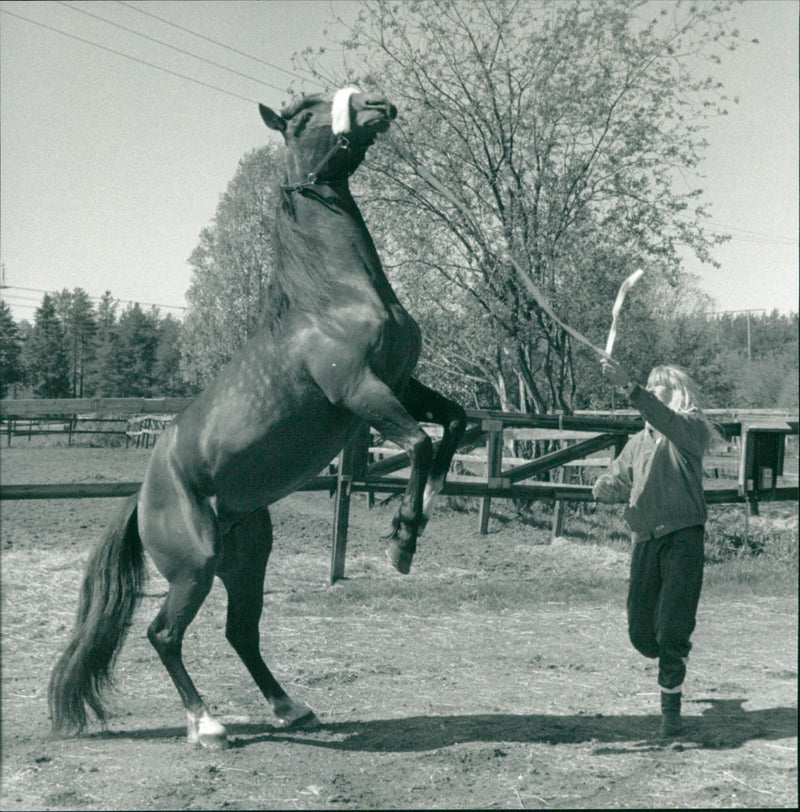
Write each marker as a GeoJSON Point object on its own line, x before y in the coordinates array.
{"type": "Point", "coordinates": [389, 110]}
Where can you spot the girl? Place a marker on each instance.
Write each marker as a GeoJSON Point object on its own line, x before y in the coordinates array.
{"type": "Point", "coordinates": [659, 474]}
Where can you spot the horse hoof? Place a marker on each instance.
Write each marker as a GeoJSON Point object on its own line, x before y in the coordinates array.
{"type": "Point", "coordinates": [399, 559]}
{"type": "Point", "coordinates": [307, 721]}
{"type": "Point", "coordinates": [207, 732]}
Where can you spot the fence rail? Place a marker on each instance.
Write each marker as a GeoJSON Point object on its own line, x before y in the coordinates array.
{"type": "Point", "coordinates": [36, 407]}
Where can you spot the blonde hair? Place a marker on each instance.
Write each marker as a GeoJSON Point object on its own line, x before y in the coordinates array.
{"type": "Point", "coordinates": [685, 396]}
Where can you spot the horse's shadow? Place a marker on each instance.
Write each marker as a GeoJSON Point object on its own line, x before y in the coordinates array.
{"type": "Point", "coordinates": [723, 725]}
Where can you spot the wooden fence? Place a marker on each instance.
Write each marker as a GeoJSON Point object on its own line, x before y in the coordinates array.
{"type": "Point", "coordinates": [138, 420]}
{"type": "Point", "coordinates": [566, 444]}
{"type": "Point", "coordinates": [143, 430]}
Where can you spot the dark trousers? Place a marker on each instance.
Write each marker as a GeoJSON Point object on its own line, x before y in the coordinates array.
{"type": "Point", "coordinates": [666, 578]}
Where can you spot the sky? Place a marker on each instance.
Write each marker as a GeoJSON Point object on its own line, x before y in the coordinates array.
{"type": "Point", "coordinates": [111, 165]}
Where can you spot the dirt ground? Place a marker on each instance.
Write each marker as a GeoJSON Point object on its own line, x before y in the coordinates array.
{"type": "Point", "coordinates": [497, 674]}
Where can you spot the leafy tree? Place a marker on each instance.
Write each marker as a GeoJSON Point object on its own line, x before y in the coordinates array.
{"type": "Point", "coordinates": [760, 356]}
{"type": "Point", "coordinates": [689, 341]}
{"type": "Point", "coordinates": [550, 134]}
{"type": "Point", "coordinates": [231, 267]}
{"type": "Point", "coordinates": [10, 349]}
{"type": "Point", "coordinates": [769, 383]}
{"type": "Point", "coordinates": [168, 381]}
{"type": "Point", "coordinates": [48, 357]}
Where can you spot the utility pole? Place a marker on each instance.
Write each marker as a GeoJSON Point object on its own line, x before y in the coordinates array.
{"type": "Point", "coordinates": [748, 312]}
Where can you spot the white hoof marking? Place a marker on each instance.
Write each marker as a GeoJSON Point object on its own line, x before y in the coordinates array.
{"type": "Point", "coordinates": [206, 731]}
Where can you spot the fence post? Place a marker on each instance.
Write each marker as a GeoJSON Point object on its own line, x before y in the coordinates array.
{"type": "Point", "coordinates": [559, 506]}
{"type": "Point", "coordinates": [557, 528]}
{"type": "Point", "coordinates": [494, 468]}
{"type": "Point", "coordinates": [352, 465]}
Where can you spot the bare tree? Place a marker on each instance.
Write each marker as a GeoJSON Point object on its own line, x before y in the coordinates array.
{"type": "Point", "coordinates": [544, 142]}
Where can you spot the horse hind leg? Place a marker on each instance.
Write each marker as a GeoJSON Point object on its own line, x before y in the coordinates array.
{"type": "Point", "coordinates": [182, 537]}
{"type": "Point", "coordinates": [246, 548]}
{"type": "Point", "coordinates": [166, 634]}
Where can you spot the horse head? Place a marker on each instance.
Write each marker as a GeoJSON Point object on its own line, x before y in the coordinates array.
{"type": "Point", "coordinates": [327, 138]}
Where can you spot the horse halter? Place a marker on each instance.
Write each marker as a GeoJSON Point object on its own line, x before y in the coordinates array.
{"type": "Point", "coordinates": [342, 144]}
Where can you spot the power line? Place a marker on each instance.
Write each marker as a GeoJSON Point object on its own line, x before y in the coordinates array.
{"type": "Point", "coordinates": [754, 234]}
{"type": "Point", "coordinates": [19, 306]}
{"type": "Point", "coordinates": [745, 235]}
{"type": "Point", "coordinates": [220, 44]}
{"type": "Point", "coordinates": [128, 56]}
{"type": "Point", "coordinates": [754, 237]}
{"type": "Point", "coordinates": [16, 297]}
{"type": "Point", "coordinates": [168, 45]}
{"type": "Point", "coordinates": [94, 298]}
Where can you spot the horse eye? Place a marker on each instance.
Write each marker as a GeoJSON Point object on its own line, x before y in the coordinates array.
{"type": "Point", "coordinates": [304, 119]}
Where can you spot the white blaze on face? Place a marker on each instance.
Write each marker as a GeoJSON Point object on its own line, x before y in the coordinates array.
{"type": "Point", "coordinates": [340, 112]}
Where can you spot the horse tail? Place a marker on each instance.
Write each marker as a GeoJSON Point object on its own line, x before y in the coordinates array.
{"type": "Point", "coordinates": [115, 574]}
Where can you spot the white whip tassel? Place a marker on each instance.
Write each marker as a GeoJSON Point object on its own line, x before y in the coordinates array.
{"type": "Point", "coordinates": [623, 291]}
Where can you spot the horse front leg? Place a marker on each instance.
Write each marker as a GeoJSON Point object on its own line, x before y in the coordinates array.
{"type": "Point", "coordinates": [427, 405]}
{"type": "Point", "coordinates": [409, 521]}
{"type": "Point", "coordinates": [376, 404]}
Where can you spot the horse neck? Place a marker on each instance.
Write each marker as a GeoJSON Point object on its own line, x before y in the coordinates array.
{"type": "Point", "coordinates": [328, 212]}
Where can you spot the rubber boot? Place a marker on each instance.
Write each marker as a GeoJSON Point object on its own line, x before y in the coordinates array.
{"type": "Point", "coordinates": [670, 715]}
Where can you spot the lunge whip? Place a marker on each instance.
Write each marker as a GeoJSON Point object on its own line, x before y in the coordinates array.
{"type": "Point", "coordinates": [529, 284]}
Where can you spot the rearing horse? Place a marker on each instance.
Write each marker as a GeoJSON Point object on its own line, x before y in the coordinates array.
{"type": "Point", "coordinates": [337, 350]}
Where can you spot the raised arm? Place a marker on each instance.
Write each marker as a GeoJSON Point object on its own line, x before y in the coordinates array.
{"type": "Point", "coordinates": [686, 430]}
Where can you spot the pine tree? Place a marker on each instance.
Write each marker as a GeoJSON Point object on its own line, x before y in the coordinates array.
{"type": "Point", "coordinates": [10, 349]}
{"type": "Point", "coordinates": [95, 380]}
{"type": "Point", "coordinates": [75, 310]}
{"type": "Point", "coordinates": [48, 369]}
{"type": "Point", "coordinates": [130, 361]}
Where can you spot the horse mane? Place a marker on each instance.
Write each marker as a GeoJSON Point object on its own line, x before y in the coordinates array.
{"type": "Point", "coordinates": [301, 278]}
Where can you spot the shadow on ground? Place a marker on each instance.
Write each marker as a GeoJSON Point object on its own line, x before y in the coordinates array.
{"type": "Point", "coordinates": [723, 725]}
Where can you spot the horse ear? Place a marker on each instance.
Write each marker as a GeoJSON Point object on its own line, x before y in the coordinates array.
{"type": "Point", "coordinates": [272, 119]}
